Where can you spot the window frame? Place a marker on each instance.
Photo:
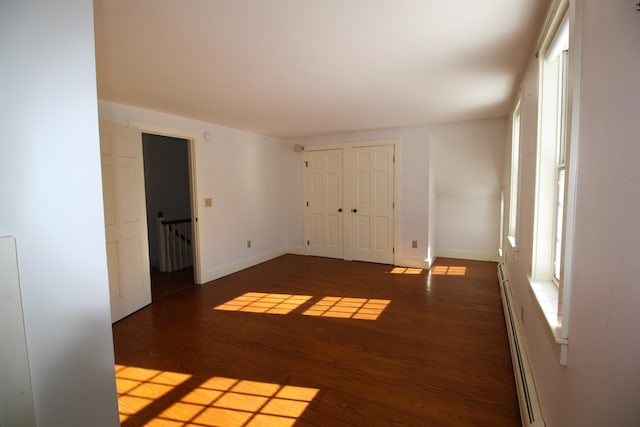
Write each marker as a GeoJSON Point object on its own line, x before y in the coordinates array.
{"type": "Point", "coordinates": [552, 294]}
{"type": "Point", "coordinates": [514, 175]}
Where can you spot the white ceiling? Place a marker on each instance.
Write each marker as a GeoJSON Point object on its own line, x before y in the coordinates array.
{"type": "Point", "coordinates": [292, 68]}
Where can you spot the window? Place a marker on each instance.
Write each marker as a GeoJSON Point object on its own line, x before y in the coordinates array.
{"type": "Point", "coordinates": [547, 281]}
{"type": "Point", "coordinates": [551, 158]}
{"type": "Point", "coordinates": [513, 187]}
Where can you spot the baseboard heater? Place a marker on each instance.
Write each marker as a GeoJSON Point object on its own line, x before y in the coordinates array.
{"type": "Point", "coordinates": [530, 412]}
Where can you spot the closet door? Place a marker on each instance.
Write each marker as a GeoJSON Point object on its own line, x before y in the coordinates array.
{"type": "Point", "coordinates": [324, 210]}
{"type": "Point", "coordinates": [372, 203]}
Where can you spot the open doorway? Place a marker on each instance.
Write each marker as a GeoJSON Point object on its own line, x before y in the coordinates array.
{"type": "Point", "coordinates": [169, 219]}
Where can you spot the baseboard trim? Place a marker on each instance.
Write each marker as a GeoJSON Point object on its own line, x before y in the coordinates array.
{"type": "Point", "coordinates": [243, 264]}
{"type": "Point", "coordinates": [530, 409]}
{"type": "Point", "coordinates": [296, 250]}
{"type": "Point", "coordinates": [469, 255]}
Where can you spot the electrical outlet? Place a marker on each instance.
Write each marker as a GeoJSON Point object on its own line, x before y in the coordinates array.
{"type": "Point", "coordinates": [208, 202]}
{"type": "Point", "coordinates": [414, 244]}
{"type": "Point", "coordinates": [248, 243]}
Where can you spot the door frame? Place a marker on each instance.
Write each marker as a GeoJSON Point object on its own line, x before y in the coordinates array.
{"type": "Point", "coordinates": [191, 138]}
{"type": "Point", "coordinates": [347, 153]}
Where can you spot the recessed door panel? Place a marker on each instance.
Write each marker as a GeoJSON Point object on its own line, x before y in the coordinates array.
{"type": "Point", "coordinates": [114, 275]}
{"type": "Point", "coordinates": [107, 193]}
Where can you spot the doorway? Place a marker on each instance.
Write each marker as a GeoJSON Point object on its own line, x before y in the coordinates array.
{"type": "Point", "coordinates": [169, 218]}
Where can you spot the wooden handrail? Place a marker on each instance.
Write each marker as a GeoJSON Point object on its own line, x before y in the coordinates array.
{"type": "Point", "coordinates": [176, 221]}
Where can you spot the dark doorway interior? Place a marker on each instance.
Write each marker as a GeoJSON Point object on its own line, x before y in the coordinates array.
{"type": "Point", "coordinates": [166, 170]}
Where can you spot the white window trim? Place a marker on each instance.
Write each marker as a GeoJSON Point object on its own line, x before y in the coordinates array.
{"type": "Point", "coordinates": [554, 301]}
{"type": "Point", "coordinates": [514, 176]}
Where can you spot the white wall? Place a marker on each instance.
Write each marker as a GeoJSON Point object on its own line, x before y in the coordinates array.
{"type": "Point", "coordinates": [467, 158]}
{"type": "Point", "coordinates": [244, 174]}
{"type": "Point", "coordinates": [450, 179]}
{"type": "Point", "coordinates": [411, 204]}
{"type": "Point", "coordinates": [432, 252]}
{"type": "Point", "coordinates": [601, 383]}
{"type": "Point", "coordinates": [51, 196]}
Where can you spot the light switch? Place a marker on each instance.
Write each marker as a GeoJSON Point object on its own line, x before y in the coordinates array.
{"type": "Point", "coordinates": [207, 202]}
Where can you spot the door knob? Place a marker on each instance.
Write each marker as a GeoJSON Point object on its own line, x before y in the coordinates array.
{"type": "Point", "coordinates": [354, 210]}
{"type": "Point", "coordinates": [339, 209]}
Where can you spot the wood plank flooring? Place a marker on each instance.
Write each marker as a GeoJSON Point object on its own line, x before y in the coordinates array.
{"type": "Point", "coordinates": [167, 284]}
{"type": "Point", "coordinates": [436, 355]}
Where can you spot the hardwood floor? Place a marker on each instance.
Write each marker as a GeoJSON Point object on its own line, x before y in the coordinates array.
{"type": "Point", "coordinates": [167, 284]}
{"type": "Point", "coordinates": [436, 355]}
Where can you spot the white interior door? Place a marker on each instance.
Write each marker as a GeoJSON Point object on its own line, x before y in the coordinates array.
{"type": "Point", "coordinates": [324, 204]}
{"type": "Point", "coordinates": [372, 180]}
{"type": "Point", "coordinates": [125, 219]}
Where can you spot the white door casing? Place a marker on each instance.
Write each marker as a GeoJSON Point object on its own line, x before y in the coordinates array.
{"type": "Point", "coordinates": [325, 203]}
{"type": "Point", "coordinates": [372, 181]}
{"type": "Point", "coordinates": [190, 137]}
{"type": "Point", "coordinates": [125, 219]}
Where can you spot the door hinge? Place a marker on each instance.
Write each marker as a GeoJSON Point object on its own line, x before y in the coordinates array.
{"type": "Point", "coordinates": [393, 250]}
{"type": "Point", "coordinates": [393, 205]}
{"type": "Point", "coordinates": [307, 243]}
{"type": "Point", "coordinates": [306, 164]}
{"type": "Point", "coordinates": [307, 204]}
{"type": "Point", "coordinates": [394, 159]}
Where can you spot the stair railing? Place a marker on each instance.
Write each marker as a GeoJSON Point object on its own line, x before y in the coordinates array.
{"type": "Point", "coordinates": [174, 243]}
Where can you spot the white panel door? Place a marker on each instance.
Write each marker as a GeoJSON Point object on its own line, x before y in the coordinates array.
{"type": "Point", "coordinates": [324, 204]}
{"type": "Point", "coordinates": [372, 181]}
{"type": "Point", "coordinates": [125, 219]}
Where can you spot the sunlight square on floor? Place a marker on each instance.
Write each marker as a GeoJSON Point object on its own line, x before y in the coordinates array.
{"type": "Point", "coordinates": [218, 401]}
{"type": "Point", "coordinates": [139, 387]}
{"type": "Point", "coordinates": [259, 302]}
{"type": "Point", "coordinates": [234, 402]}
{"type": "Point", "coordinates": [405, 270]}
{"type": "Point", "coordinates": [446, 270]}
{"type": "Point", "coordinates": [348, 308]}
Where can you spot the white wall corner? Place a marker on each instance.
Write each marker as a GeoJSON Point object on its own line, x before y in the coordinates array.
{"type": "Point", "coordinates": [412, 263]}
{"type": "Point", "coordinates": [243, 264]}
{"type": "Point", "coordinates": [296, 250]}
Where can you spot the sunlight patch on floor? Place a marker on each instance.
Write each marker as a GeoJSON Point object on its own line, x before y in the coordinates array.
{"type": "Point", "coordinates": [219, 401]}
{"type": "Point", "coordinates": [348, 308]}
{"type": "Point", "coordinates": [139, 387]}
{"type": "Point", "coordinates": [258, 302]}
{"type": "Point", "coordinates": [404, 270]}
{"type": "Point", "coordinates": [446, 270]}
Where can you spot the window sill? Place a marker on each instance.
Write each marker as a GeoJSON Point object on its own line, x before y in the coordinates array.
{"type": "Point", "coordinates": [546, 293]}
